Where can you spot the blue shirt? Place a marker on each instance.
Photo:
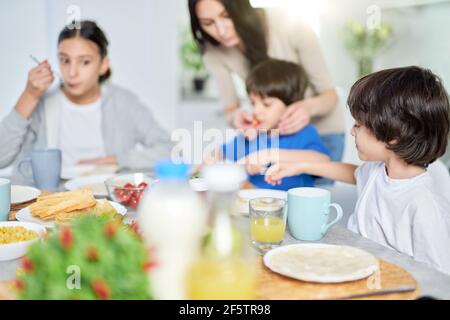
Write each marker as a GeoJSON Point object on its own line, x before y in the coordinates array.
{"type": "Point", "coordinates": [305, 139]}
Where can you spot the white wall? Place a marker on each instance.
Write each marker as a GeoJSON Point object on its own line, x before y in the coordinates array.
{"type": "Point", "coordinates": [421, 38]}
{"type": "Point", "coordinates": [143, 46]}
{"type": "Point", "coordinates": [23, 30]}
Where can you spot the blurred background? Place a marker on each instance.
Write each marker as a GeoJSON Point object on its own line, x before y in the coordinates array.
{"type": "Point", "coordinates": [153, 54]}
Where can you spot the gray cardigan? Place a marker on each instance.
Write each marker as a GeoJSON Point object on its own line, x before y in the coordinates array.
{"type": "Point", "coordinates": [126, 122]}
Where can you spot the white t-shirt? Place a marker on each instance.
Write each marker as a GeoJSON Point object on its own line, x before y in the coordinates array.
{"type": "Point", "coordinates": [80, 134]}
{"type": "Point", "coordinates": [408, 215]}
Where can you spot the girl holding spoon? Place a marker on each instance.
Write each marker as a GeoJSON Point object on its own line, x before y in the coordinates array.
{"type": "Point", "coordinates": [90, 119]}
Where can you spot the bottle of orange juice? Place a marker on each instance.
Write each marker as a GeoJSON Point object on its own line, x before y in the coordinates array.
{"type": "Point", "coordinates": [225, 270]}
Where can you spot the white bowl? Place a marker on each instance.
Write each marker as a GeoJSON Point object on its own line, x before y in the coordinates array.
{"type": "Point", "coordinates": [16, 250]}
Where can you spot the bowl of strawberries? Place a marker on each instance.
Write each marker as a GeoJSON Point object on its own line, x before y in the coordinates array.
{"type": "Point", "coordinates": [128, 189]}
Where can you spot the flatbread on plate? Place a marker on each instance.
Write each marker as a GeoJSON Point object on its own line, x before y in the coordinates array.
{"type": "Point", "coordinates": [321, 263]}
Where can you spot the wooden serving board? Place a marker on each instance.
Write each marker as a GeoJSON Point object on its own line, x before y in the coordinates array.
{"type": "Point", "coordinates": [272, 286]}
{"type": "Point", "coordinates": [17, 207]}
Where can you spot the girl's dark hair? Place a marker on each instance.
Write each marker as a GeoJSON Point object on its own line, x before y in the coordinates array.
{"type": "Point", "coordinates": [281, 79]}
{"type": "Point", "coordinates": [249, 23]}
{"type": "Point", "coordinates": [407, 109]}
{"type": "Point", "coordinates": [88, 30]}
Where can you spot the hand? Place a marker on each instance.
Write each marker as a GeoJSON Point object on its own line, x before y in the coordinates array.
{"type": "Point", "coordinates": [39, 80]}
{"type": "Point", "coordinates": [278, 171]}
{"type": "Point", "coordinates": [294, 119]}
{"type": "Point", "coordinates": [244, 121]}
{"type": "Point", "coordinates": [257, 162]}
{"type": "Point", "coordinates": [111, 160]}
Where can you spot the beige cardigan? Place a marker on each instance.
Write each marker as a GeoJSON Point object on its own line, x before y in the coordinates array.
{"type": "Point", "coordinates": [287, 41]}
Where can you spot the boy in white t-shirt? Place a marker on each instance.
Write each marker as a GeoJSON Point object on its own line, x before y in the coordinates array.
{"type": "Point", "coordinates": [401, 126]}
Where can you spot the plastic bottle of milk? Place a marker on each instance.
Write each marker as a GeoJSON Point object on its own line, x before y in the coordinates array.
{"type": "Point", "coordinates": [172, 218]}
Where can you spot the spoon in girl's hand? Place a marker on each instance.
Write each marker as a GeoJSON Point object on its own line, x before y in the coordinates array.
{"type": "Point", "coordinates": [38, 62]}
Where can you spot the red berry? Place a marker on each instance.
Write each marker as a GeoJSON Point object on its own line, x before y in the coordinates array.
{"type": "Point", "coordinates": [133, 202]}
{"type": "Point", "coordinates": [134, 227]}
{"type": "Point", "coordinates": [123, 196]}
{"type": "Point", "coordinates": [19, 285]}
{"type": "Point", "coordinates": [27, 265]}
{"type": "Point", "coordinates": [101, 289]}
{"type": "Point", "coordinates": [149, 265]}
{"type": "Point", "coordinates": [255, 122]}
{"type": "Point", "coordinates": [111, 229]}
{"type": "Point", "coordinates": [66, 238]}
{"type": "Point", "coordinates": [92, 253]}
{"type": "Point", "coordinates": [143, 185]}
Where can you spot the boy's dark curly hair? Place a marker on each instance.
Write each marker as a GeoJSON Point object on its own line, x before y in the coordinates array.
{"type": "Point", "coordinates": [407, 109]}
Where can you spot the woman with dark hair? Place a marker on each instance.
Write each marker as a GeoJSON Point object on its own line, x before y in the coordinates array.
{"type": "Point", "coordinates": [234, 37]}
{"type": "Point", "coordinates": [91, 120]}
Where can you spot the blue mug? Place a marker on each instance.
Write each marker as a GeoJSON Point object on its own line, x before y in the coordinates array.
{"type": "Point", "coordinates": [308, 213]}
{"type": "Point", "coordinates": [46, 168]}
{"type": "Point", "coordinates": [5, 198]}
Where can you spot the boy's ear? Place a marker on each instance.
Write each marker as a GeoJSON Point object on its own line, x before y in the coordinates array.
{"type": "Point", "coordinates": [393, 142]}
{"type": "Point", "coordinates": [105, 66]}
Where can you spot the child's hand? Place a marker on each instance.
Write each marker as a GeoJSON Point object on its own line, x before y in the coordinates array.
{"type": "Point", "coordinates": [294, 119]}
{"type": "Point", "coordinates": [242, 120]}
{"type": "Point", "coordinates": [257, 162]}
{"type": "Point", "coordinates": [40, 78]}
{"type": "Point", "coordinates": [278, 171]}
{"type": "Point", "coordinates": [251, 134]}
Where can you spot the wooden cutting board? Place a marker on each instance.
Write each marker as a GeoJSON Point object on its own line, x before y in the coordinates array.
{"type": "Point", "coordinates": [272, 286]}
{"type": "Point", "coordinates": [17, 207]}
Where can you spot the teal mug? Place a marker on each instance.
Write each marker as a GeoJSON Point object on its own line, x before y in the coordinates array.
{"type": "Point", "coordinates": [5, 198]}
{"type": "Point", "coordinates": [308, 213]}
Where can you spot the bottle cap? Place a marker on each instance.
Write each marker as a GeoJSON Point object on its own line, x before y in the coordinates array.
{"type": "Point", "coordinates": [169, 170]}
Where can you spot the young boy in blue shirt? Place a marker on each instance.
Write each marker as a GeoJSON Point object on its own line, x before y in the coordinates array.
{"type": "Point", "coordinates": [272, 86]}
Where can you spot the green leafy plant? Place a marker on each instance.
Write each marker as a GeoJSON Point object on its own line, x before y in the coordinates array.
{"type": "Point", "coordinates": [191, 56]}
{"type": "Point", "coordinates": [365, 44]}
{"type": "Point", "coordinates": [95, 258]}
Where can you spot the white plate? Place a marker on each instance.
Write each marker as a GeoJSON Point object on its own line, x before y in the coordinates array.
{"type": "Point", "coordinates": [16, 250]}
{"type": "Point", "coordinates": [94, 183]}
{"type": "Point", "coordinates": [86, 170]}
{"type": "Point", "coordinates": [72, 172]}
{"type": "Point", "coordinates": [24, 215]}
{"type": "Point", "coordinates": [245, 195]}
{"type": "Point", "coordinates": [21, 194]}
{"type": "Point", "coordinates": [321, 263]}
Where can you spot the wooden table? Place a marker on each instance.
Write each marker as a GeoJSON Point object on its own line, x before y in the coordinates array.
{"type": "Point", "coordinates": [394, 267]}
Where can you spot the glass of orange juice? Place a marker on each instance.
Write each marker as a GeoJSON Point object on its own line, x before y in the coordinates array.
{"type": "Point", "coordinates": [267, 222]}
